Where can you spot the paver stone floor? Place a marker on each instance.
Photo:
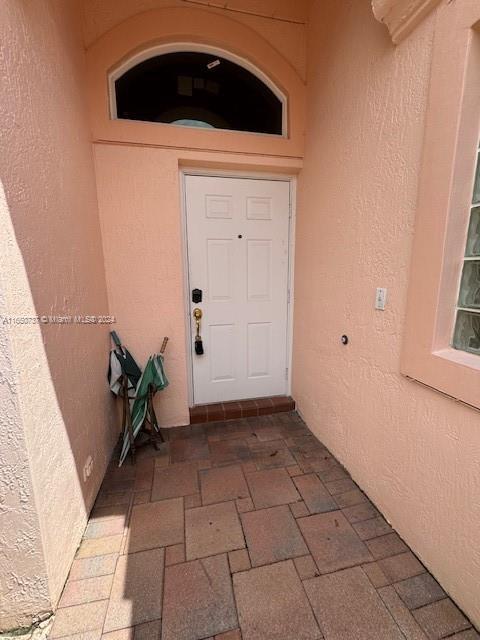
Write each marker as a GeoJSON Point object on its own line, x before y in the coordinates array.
{"type": "Point", "coordinates": [247, 529]}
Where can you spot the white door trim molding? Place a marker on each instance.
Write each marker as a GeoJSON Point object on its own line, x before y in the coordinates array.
{"type": "Point", "coordinates": [401, 16]}
{"type": "Point", "coordinates": [291, 179]}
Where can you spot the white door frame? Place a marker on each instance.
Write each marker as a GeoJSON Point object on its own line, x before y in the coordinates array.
{"type": "Point", "coordinates": [292, 180]}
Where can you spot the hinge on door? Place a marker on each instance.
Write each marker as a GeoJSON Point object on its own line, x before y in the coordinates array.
{"type": "Point", "coordinates": [286, 373]}
{"type": "Point", "coordinates": [288, 296]}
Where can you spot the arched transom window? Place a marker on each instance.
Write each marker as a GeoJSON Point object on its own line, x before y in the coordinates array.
{"type": "Point", "coordinates": [197, 89]}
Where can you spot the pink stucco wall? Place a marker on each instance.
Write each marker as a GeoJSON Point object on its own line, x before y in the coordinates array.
{"type": "Point", "coordinates": [138, 172]}
{"type": "Point", "coordinates": [141, 230]}
{"type": "Point", "coordinates": [52, 264]}
{"type": "Point", "coordinates": [23, 575]}
{"type": "Point", "coordinates": [193, 27]}
{"type": "Point", "coordinates": [286, 34]}
{"type": "Point", "coordinates": [367, 100]}
{"type": "Point", "coordinates": [139, 192]}
{"type": "Point", "coordinates": [415, 452]}
{"type": "Point", "coordinates": [445, 187]}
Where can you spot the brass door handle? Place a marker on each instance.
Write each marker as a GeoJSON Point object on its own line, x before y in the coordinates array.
{"type": "Point", "coordinates": [197, 314]}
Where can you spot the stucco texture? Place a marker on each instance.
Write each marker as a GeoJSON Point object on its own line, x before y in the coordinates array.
{"type": "Point", "coordinates": [415, 452]}
{"type": "Point", "coordinates": [139, 195]}
{"type": "Point", "coordinates": [52, 264]}
{"type": "Point", "coordinates": [23, 576]}
{"type": "Point", "coordinates": [139, 184]}
{"type": "Point", "coordinates": [287, 34]}
{"type": "Point", "coordinates": [141, 231]}
{"type": "Point", "coordinates": [193, 27]}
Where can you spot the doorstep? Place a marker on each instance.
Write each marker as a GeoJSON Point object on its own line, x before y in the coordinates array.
{"type": "Point", "coordinates": [240, 409]}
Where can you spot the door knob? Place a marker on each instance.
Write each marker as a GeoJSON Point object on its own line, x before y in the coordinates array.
{"type": "Point", "coordinates": [197, 314]}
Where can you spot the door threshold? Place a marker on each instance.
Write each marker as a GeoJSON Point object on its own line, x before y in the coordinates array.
{"type": "Point", "coordinates": [240, 409]}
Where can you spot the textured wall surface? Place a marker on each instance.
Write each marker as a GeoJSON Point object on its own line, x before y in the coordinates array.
{"type": "Point", "coordinates": [286, 35]}
{"type": "Point", "coordinates": [139, 189]}
{"type": "Point", "coordinates": [52, 231]}
{"type": "Point", "coordinates": [23, 576]}
{"type": "Point", "coordinates": [416, 453]}
{"type": "Point", "coordinates": [173, 25]}
{"type": "Point", "coordinates": [139, 195]}
{"type": "Point", "coordinates": [402, 16]}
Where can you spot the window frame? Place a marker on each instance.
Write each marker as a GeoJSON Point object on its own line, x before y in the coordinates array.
{"type": "Point", "coordinates": [179, 47]}
{"type": "Point", "coordinates": [443, 211]}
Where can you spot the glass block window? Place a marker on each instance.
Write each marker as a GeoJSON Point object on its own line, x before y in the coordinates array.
{"type": "Point", "coordinates": [467, 324]}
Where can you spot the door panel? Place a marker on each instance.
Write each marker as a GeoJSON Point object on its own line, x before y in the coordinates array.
{"type": "Point", "coordinates": [238, 243]}
{"type": "Point", "coordinates": [219, 261]}
{"type": "Point", "coordinates": [221, 354]}
{"type": "Point", "coordinates": [259, 347]}
{"type": "Point", "coordinates": [259, 264]}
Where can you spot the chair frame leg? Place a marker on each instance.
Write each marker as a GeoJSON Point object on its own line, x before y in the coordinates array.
{"type": "Point", "coordinates": [155, 433]}
{"type": "Point", "coordinates": [155, 436]}
{"type": "Point", "coordinates": [127, 418]}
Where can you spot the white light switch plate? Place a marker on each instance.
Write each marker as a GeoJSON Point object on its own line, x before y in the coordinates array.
{"type": "Point", "coordinates": [380, 298]}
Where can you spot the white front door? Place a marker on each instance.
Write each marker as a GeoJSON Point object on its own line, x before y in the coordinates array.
{"type": "Point", "coordinates": [238, 256]}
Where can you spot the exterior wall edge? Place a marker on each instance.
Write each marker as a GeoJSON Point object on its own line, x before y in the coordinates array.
{"type": "Point", "coordinates": [401, 17]}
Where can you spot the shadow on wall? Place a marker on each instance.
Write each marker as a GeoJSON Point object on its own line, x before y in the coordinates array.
{"type": "Point", "coordinates": [46, 491]}
{"type": "Point", "coordinates": [51, 264]}
{"type": "Point", "coordinates": [50, 477]}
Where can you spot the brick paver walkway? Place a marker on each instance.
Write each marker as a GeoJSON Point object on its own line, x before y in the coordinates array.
{"type": "Point", "coordinates": [246, 529]}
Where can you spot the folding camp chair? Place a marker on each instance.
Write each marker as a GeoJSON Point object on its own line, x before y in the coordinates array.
{"type": "Point", "coordinates": [137, 390]}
